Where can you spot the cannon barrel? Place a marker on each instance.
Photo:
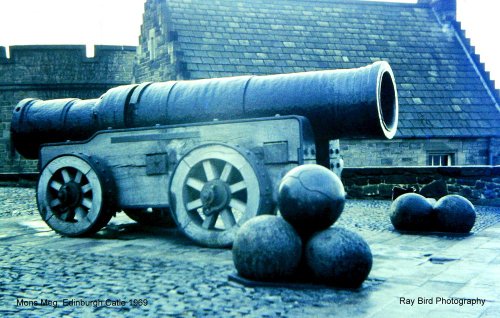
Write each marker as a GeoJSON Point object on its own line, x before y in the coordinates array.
{"type": "Point", "coordinates": [350, 103]}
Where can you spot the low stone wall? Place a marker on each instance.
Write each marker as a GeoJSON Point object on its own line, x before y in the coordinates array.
{"type": "Point", "coordinates": [27, 180]}
{"type": "Point", "coordinates": [480, 184]}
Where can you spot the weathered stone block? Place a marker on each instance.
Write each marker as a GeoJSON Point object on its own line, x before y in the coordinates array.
{"type": "Point", "coordinates": [370, 190]}
{"type": "Point", "coordinates": [476, 171]}
{"type": "Point", "coordinates": [491, 185]}
{"type": "Point", "coordinates": [490, 194]}
{"type": "Point", "coordinates": [387, 161]}
{"type": "Point", "coordinates": [347, 181]}
{"type": "Point", "coordinates": [480, 185]}
{"type": "Point", "coordinates": [401, 179]}
{"type": "Point", "coordinates": [374, 180]}
{"type": "Point", "coordinates": [424, 179]}
{"type": "Point", "coordinates": [385, 190]}
{"type": "Point", "coordinates": [355, 192]}
{"type": "Point", "coordinates": [453, 188]}
{"type": "Point", "coordinates": [436, 189]}
{"type": "Point", "coordinates": [452, 172]}
{"type": "Point", "coordinates": [361, 181]}
{"type": "Point", "coordinates": [466, 192]}
{"type": "Point", "coordinates": [467, 182]}
{"type": "Point", "coordinates": [476, 194]}
{"type": "Point", "coordinates": [399, 191]}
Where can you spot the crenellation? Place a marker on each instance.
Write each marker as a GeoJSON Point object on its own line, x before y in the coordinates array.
{"type": "Point", "coordinates": [51, 72]}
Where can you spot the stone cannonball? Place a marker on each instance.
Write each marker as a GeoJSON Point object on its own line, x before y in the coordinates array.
{"type": "Point", "coordinates": [266, 248]}
{"type": "Point", "coordinates": [412, 212]}
{"type": "Point", "coordinates": [311, 198]}
{"type": "Point", "coordinates": [339, 257]}
{"type": "Point", "coordinates": [454, 213]}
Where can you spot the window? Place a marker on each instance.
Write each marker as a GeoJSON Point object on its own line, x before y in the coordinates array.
{"type": "Point", "coordinates": [152, 44]}
{"type": "Point", "coordinates": [441, 159]}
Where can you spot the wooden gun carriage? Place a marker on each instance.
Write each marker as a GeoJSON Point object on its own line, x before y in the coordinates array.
{"type": "Point", "coordinates": [205, 154]}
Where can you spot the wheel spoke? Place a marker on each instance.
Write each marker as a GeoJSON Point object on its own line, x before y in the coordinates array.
{"type": "Point", "coordinates": [68, 215]}
{"type": "Point", "coordinates": [195, 184]}
{"type": "Point", "coordinates": [226, 171]}
{"type": "Point", "coordinates": [65, 175]}
{"type": "Point", "coordinates": [194, 204]}
{"type": "Point", "coordinates": [238, 205]}
{"type": "Point", "coordinates": [238, 186]}
{"type": "Point", "coordinates": [64, 216]}
{"type": "Point", "coordinates": [55, 185]}
{"type": "Point", "coordinates": [78, 176]}
{"type": "Point", "coordinates": [80, 213]}
{"type": "Point", "coordinates": [86, 188]}
{"type": "Point", "coordinates": [209, 169]}
{"type": "Point", "coordinates": [72, 195]}
{"type": "Point", "coordinates": [55, 203]}
{"type": "Point", "coordinates": [87, 203]}
{"type": "Point", "coordinates": [228, 218]}
{"type": "Point", "coordinates": [209, 222]}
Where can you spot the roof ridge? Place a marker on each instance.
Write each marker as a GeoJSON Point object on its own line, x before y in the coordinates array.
{"type": "Point", "coordinates": [371, 2]}
{"type": "Point", "coordinates": [418, 4]}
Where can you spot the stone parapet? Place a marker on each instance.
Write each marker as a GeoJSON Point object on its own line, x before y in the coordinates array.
{"type": "Point", "coordinates": [480, 184]}
{"type": "Point", "coordinates": [52, 72]}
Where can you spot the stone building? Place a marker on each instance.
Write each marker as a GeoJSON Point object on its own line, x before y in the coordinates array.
{"type": "Point", "coordinates": [49, 72]}
{"type": "Point", "coordinates": [449, 108]}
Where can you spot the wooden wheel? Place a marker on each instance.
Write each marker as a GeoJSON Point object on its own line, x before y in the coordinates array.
{"type": "Point", "coordinates": [73, 195]}
{"type": "Point", "coordinates": [151, 216]}
{"type": "Point", "coordinates": [214, 190]}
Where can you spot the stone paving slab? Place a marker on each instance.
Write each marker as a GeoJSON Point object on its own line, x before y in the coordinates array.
{"type": "Point", "coordinates": [178, 279]}
{"type": "Point", "coordinates": [127, 261]}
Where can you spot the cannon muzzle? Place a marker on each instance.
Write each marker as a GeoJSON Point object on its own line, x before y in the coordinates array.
{"type": "Point", "coordinates": [350, 103]}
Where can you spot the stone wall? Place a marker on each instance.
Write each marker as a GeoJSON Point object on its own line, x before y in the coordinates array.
{"type": "Point", "coordinates": [51, 72]}
{"type": "Point", "coordinates": [157, 58]}
{"type": "Point", "coordinates": [480, 184]}
{"type": "Point", "coordinates": [415, 152]}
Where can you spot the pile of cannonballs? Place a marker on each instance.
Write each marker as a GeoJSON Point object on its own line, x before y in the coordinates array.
{"type": "Point", "coordinates": [300, 245]}
{"type": "Point", "coordinates": [414, 212]}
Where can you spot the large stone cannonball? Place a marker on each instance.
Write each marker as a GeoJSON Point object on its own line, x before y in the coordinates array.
{"type": "Point", "coordinates": [454, 213]}
{"type": "Point", "coordinates": [266, 248]}
{"type": "Point", "coordinates": [311, 198]}
{"type": "Point", "coordinates": [339, 257]}
{"type": "Point", "coordinates": [412, 212]}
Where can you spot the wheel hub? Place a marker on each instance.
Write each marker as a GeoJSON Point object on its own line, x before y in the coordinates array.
{"type": "Point", "coordinates": [215, 196]}
{"type": "Point", "coordinates": [69, 194]}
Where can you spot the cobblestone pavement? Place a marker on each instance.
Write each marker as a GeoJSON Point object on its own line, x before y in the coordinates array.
{"type": "Point", "coordinates": [127, 262]}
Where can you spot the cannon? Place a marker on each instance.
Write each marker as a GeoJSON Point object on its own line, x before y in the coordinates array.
{"type": "Point", "coordinates": [208, 153]}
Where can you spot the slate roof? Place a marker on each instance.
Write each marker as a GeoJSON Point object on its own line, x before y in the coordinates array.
{"type": "Point", "coordinates": [440, 92]}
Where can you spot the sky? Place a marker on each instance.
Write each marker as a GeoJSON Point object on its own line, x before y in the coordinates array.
{"type": "Point", "coordinates": [117, 22]}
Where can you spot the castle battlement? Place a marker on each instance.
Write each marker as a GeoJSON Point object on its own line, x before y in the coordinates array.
{"type": "Point", "coordinates": [21, 51]}
{"type": "Point", "coordinates": [51, 72]}
{"type": "Point", "coordinates": [66, 64]}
